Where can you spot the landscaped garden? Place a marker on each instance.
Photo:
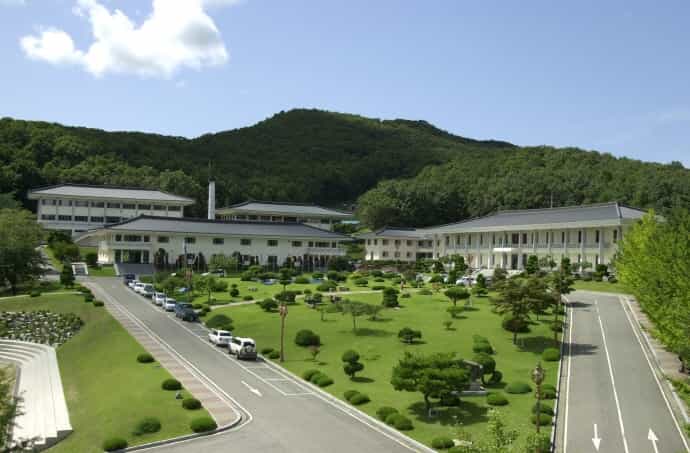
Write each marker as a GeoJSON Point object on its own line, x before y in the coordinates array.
{"type": "Point", "coordinates": [114, 391]}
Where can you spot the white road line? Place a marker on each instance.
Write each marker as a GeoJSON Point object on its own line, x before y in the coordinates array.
{"type": "Point", "coordinates": [567, 385]}
{"type": "Point", "coordinates": [656, 378]}
{"type": "Point", "coordinates": [613, 381]}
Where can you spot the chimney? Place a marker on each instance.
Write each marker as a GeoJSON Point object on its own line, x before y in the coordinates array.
{"type": "Point", "coordinates": [211, 200]}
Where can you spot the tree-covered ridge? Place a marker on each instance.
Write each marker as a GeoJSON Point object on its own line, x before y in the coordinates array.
{"type": "Point", "coordinates": [415, 174]}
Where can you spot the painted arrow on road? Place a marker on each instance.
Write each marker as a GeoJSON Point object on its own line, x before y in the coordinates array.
{"type": "Point", "coordinates": [652, 437]}
{"type": "Point", "coordinates": [252, 389]}
{"type": "Point", "coordinates": [596, 440]}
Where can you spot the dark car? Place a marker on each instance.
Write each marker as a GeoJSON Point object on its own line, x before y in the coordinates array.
{"type": "Point", "coordinates": [128, 278]}
{"type": "Point", "coordinates": [185, 312]}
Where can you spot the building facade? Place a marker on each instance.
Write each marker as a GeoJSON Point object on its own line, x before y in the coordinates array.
{"type": "Point", "coordinates": [78, 208]}
{"type": "Point", "coordinates": [265, 211]}
{"type": "Point", "coordinates": [588, 233]}
{"type": "Point", "coordinates": [397, 244]}
{"type": "Point", "coordinates": [168, 242]}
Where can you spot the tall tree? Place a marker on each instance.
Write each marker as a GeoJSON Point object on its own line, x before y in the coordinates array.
{"type": "Point", "coordinates": [20, 236]}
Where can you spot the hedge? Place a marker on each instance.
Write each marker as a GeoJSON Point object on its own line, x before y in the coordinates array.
{"type": "Point", "coordinates": [442, 443]}
{"type": "Point", "coordinates": [171, 384]}
{"type": "Point", "coordinates": [548, 392]}
{"type": "Point", "coordinates": [544, 419]}
{"type": "Point", "coordinates": [266, 351]}
{"type": "Point", "coordinates": [220, 321]}
{"type": "Point", "coordinates": [307, 375]}
{"type": "Point", "coordinates": [399, 421]}
{"type": "Point", "coordinates": [145, 357]}
{"type": "Point", "coordinates": [551, 355]}
{"type": "Point", "coordinates": [35, 293]}
{"type": "Point", "coordinates": [543, 408]}
{"type": "Point", "coordinates": [496, 399]}
{"type": "Point", "coordinates": [114, 444]}
{"type": "Point", "coordinates": [301, 280]}
{"type": "Point", "coordinates": [349, 394]}
{"type": "Point", "coordinates": [384, 411]}
{"type": "Point", "coordinates": [518, 387]}
{"type": "Point", "coordinates": [203, 424]}
{"type": "Point", "coordinates": [147, 425]}
{"type": "Point", "coordinates": [359, 398]}
{"type": "Point", "coordinates": [274, 355]}
{"type": "Point", "coordinates": [191, 404]}
{"type": "Point", "coordinates": [306, 337]}
{"type": "Point", "coordinates": [324, 381]}
{"type": "Point", "coordinates": [97, 303]}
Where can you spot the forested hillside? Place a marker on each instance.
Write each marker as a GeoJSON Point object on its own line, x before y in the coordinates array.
{"type": "Point", "coordinates": [403, 172]}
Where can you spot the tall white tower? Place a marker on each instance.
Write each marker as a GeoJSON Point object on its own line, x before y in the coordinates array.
{"type": "Point", "coordinates": [211, 200]}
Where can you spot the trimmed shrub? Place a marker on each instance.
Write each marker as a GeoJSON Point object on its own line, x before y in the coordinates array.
{"type": "Point", "coordinates": [551, 355]}
{"type": "Point", "coordinates": [35, 293]}
{"type": "Point", "coordinates": [266, 351]}
{"type": "Point", "coordinates": [171, 384]}
{"type": "Point", "coordinates": [408, 335]}
{"type": "Point", "coordinates": [482, 347]}
{"type": "Point", "coordinates": [442, 443]}
{"type": "Point", "coordinates": [203, 424]}
{"type": "Point", "coordinates": [274, 355]}
{"type": "Point", "coordinates": [147, 425]}
{"type": "Point", "coordinates": [496, 399]}
{"type": "Point", "coordinates": [307, 375]}
{"type": "Point", "coordinates": [548, 392]}
{"type": "Point", "coordinates": [449, 400]}
{"type": "Point", "coordinates": [544, 419]}
{"type": "Point", "coordinates": [145, 357]}
{"type": "Point", "coordinates": [220, 321]}
{"type": "Point", "coordinates": [248, 297]}
{"type": "Point", "coordinates": [543, 408]}
{"type": "Point", "coordinates": [191, 404]}
{"type": "Point", "coordinates": [301, 280]}
{"type": "Point", "coordinates": [114, 444]}
{"type": "Point", "coordinates": [98, 303]}
{"type": "Point", "coordinates": [515, 325]}
{"type": "Point", "coordinates": [234, 292]}
{"type": "Point", "coordinates": [88, 297]}
{"type": "Point", "coordinates": [390, 297]}
{"type": "Point", "coordinates": [495, 378]}
{"type": "Point", "coordinates": [306, 337]}
{"type": "Point", "coordinates": [321, 380]}
{"type": "Point", "coordinates": [361, 282]}
{"type": "Point", "coordinates": [349, 394]}
{"type": "Point", "coordinates": [268, 304]}
{"type": "Point", "coordinates": [384, 411]}
{"type": "Point", "coordinates": [359, 399]}
{"type": "Point", "coordinates": [518, 387]}
{"type": "Point", "coordinates": [399, 422]}
{"type": "Point", "coordinates": [196, 306]}
{"type": "Point", "coordinates": [378, 287]}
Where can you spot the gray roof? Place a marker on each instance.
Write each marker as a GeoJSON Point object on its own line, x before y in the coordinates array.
{"type": "Point", "coordinates": [224, 228]}
{"type": "Point", "coordinates": [397, 232]}
{"type": "Point", "coordinates": [605, 213]}
{"type": "Point", "coordinates": [288, 209]}
{"type": "Point", "coordinates": [110, 192]}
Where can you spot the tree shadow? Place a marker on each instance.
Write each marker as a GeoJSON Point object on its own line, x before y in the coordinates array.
{"type": "Point", "coordinates": [379, 319]}
{"type": "Point", "coordinates": [470, 308]}
{"type": "Point", "coordinates": [498, 386]}
{"type": "Point", "coordinates": [467, 413]}
{"type": "Point", "coordinates": [362, 380]}
{"type": "Point", "coordinates": [367, 332]}
{"type": "Point", "coordinates": [577, 304]}
{"type": "Point", "coordinates": [575, 349]}
{"type": "Point", "coordinates": [535, 344]}
{"type": "Point", "coordinates": [414, 342]}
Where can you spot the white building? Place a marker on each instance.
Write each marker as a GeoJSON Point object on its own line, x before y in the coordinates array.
{"type": "Point", "coordinates": [587, 233]}
{"type": "Point", "coordinates": [398, 244]}
{"type": "Point", "coordinates": [269, 211]}
{"type": "Point", "coordinates": [165, 240]}
{"type": "Point", "coordinates": [78, 208]}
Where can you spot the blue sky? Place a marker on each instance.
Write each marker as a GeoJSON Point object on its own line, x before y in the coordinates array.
{"type": "Point", "coordinates": [611, 76]}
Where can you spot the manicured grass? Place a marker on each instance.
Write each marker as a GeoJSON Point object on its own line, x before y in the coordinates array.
{"type": "Point", "coordinates": [107, 391]}
{"type": "Point", "coordinates": [102, 271]}
{"type": "Point", "coordinates": [380, 350]}
{"type": "Point", "coordinates": [57, 264]}
{"type": "Point", "coordinates": [601, 286]}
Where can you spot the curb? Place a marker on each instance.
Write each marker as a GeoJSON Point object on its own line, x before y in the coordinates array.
{"type": "Point", "coordinates": [554, 424]}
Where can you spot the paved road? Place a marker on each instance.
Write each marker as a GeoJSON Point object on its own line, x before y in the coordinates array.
{"type": "Point", "coordinates": [609, 383]}
{"type": "Point", "coordinates": [279, 413]}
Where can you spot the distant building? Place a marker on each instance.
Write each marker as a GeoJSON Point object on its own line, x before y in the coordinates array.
{"type": "Point", "coordinates": [505, 239]}
{"type": "Point", "coordinates": [397, 244]}
{"type": "Point", "coordinates": [77, 208]}
{"type": "Point", "coordinates": [269, 211]}
{"type": "Point", "coordinates": [167, 242]}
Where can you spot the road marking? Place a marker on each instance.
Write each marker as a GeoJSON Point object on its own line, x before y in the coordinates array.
{"type": "Point", "coordinates": [613, 380]}
{"type": "Point", "coordinates": [651, 368]}
{"type": "Point", "coordinates": [596, 440]}
{"type": "Point", "coordinates": [252, 389]}
{"type": "Point", "coordinates": [567, 385]}
{"type": "Point", "coordinates": [652, 437]}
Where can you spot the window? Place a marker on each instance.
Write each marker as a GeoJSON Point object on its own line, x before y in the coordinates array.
{"type": "Point", "coordinates": [579, 238]}
{"type": "Point", "coordinates": [163, 239]}
{"type": "Point", "coordinates": [144, 207]}
{"type": "Point", "coordinates": [524, 238]}
{"type": "Point", "coordinates": [129, 206]}
{"type": "Point", "coordinates": [322, 245]}
{"type": "Point", "coordinates": [384, 241]}
{"type": "Point", "coordinates": [264, 218]}
{"type": "Point", "coordinates": [114, 205]}
{"type": "Point", "coordinates": [408, 254]}
{"type": "Point", "coordinates": [48, 216]}
{"type": "Point", "coordinates": [96, 219]}
{"type": "Point", "coordinates": [44, 201]}
{"type": "Point", "coordinates": [615, 236]}
{"type": "Point", "coordinates": [368, 241]}
{"type": "Point", "coordinates": [397, 254]}
{"type": "Point", "coordinates": [97, 204]}
{"type": "Point", "coordinates": [132, 238]}
{"type": "Point", "coordinates": [596, 260]}
{"type": "Point", "coordinates": [493, 239]}
{"type": "Point", "coordinates": [291, 219]}
{"type": "Point", "coordinates": [384, 254]}
{"type": "Point", "coordinates": [81, 203]}
{"type": "Point", "coordinates": [311, 244]}
{"type": "Point", "coordinates": [112, 220]}
{"type": "Point", "coordinates": [276, 218]}
{"type": "Point", "coordinates": [408, 243]}
{"type": "Point", "coordinates": [596, 236]}
{"type": "Point", "coordinates": [158, 207]}
{"type": "Point", "coordinates": [421, 243]}
{"type": "Point", "coordinates": [174, 208]}
{"type": "Point", "coordinates": [334, 245]}
{"type": "Point", "coordinates": [447, 241]}
{"type": "Point", "coordinates": [515, 238]}
{"type": "Point", "coordinates": [469, 239]}
{"type": "Point", "coordinates": [190, 240]}
{"type": "Point", "coordinates": [481, 239]}
{"type": "Point", "coordinates": [562, 237]}
{"type": "Point", "coordinates": [147, 238]}
{"type": "Point", "coordinates": [376, 241]}
{"type": "Point", "coordinates": [65, 218]}
{"type": "Point", "coordinates": [397, 242]}
{"type": "Point", "coordinates": [325, 221]}
{"type": "Point", "coordinates": [81, 218]}
{"type": "Point", "coordinates": [297, 243]}
{"type": "Point", "coordinates": [253, 217]}
{"type": "Point", "coordinates": [218, 241]}
{"type": "Point", "coordinates": [118, 238]}
{"type": "Point", "coordinates": [272, 243]}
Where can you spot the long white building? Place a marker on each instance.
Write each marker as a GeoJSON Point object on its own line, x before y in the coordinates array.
{"type": "Point", "coordinates": [272, 211]}
{"type": "Point", "coordinates": [587, 233]}
{"type": "Point", "coordinates": [77, 208]}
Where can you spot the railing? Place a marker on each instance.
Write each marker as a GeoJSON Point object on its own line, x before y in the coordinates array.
{"type": "Point", "coordinates": [325, 251]}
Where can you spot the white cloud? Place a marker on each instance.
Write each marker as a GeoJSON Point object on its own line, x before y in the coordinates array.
{"type": "Point", "coordinates": [177, 34]}
{"type": "Point", "coordinates": [12, 2]}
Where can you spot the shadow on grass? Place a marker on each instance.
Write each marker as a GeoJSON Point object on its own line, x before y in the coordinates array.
{"type": "Point", "coordinates": [470, 308]}
{"type": "Point", "coordinates": [414, 343]}
{"type": "Point", "coordinates": [362, 380]}
{"type": "Point", "coordinates": [468, 413]}
{"type": "Point", "coordinates": [499, 386]}
{"type": "Point", "coordinates": [535, 344]}
{"type": "Point", "coordinates": [367, 332]}
{"type": "Point", "coordinates": [380, 319]}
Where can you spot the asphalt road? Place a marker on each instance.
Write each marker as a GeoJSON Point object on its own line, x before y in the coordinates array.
{"type": "Point", "coordinates": [279, 413]}
{"type": "Point", "coordinates": [610, 393]}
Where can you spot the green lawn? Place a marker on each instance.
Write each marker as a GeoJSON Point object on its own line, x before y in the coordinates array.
{"type": "Point", "coordinates": [380, 349]}
{"type": "Point", "coordinates": [57, 264]}
{"type": "Point", "coordinates": [601, 286]}
{"type": "Point", "coordinates": [102, 271]}
{"type": "Point", "coordinates": [107, 390]}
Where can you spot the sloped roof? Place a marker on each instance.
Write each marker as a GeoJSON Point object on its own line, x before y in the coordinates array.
{"type": "Point", "coordinates": [111, 192]}
{"type": "Point", "coordinates": [223, 228]}
{"type": "Point", "coordinates": [397, 232]}
{"type": "Point", "coordinates": [280, 208]}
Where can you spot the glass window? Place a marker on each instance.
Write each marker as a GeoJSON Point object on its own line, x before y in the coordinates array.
{"type": "Point", "coordinates": [118, 237]}
{"type": "Point", "coordinates": [376, 241]}
{"type": "Point", "coordinates": [596, 236]}
{"type": "Point", "coordinates": [189, 240]}
{"type": "Point", "coordinates": [272, 243]}
{"type": "Point", "coordinates": [524, 238]}
{"type": "Point", "coordinates": [158, 207]}
{"type": "Point", "coordinates": [325, 221]}
{"type": "Point", "coordinates": [81, 218]}
{"type": "Point", "coordinates": [615, 236]}
{"type": "Point", "coordinates": [311, 243]}
{"type": "Point", "coordinates": [218, 241]}
{"type": "Point", "coordinates": [163, 239]}
{"type": "Point", "coordinates": [253, 217]}
{"type": "Point", "coordinates": [147, 238]}
{"type": "Point", "coordinates": [128, 206]}
{"type": "Point", "coordinates": [408, 254]}
{"type": "Point", "coordinates": [65, 218]}
{"type": "Point", "coordinates": [368, 241]}
{"type": "Point", "coordinates": [384, 241]}
{"type": "Point", "coordinates": [112, 220]}
{"type": "Point", "coordinates": [144, 207]}
{"type": "Point", "coordinates": [97, 204]}
{"type": "Point", "coordinates": [397, 242]}
{"type": "Point", "coordinates": [132, 238]}
{"type": "Point", "coordinates": [334, 245]}
{"type": "Point", "coordinates": [48, 216]}
{"type": "Point", "coordinates": [174, 208]}
{"type": "Point", "coordinates": [245, 242]}
{"type": "Point", "coordinates": [384, 254]}
{"type": "Point", "coordinates": [81, 203]}
{"type": "Point", "coordinates": [264, 218]}
{"type": "Point", "coordinates": [579, 238]}
{"type": "Point", "coordinates": [276, 218]}
{"type": "Point", "coordinates": [408, 243]}
{"type": "Point", "coordinates": [114, 205]}
{"type": "Point", "coordinates": [297, 243]}
{"type": "Point", "coordinates": [97, 219]}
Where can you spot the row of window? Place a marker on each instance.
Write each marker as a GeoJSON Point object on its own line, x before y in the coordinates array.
{"type": "Point", "coordinates": [220, 241]}
{"type": "Point", "coordinates": [109, 204]}
{"type": "Point", "coordinates": [275, 218]}
{"type": "Point", "coordinates": [384, 254]}
{"type": "Point", "coordinates": [82, 218]}
{"type": "Point", "coordinates": [398, 242]}
{"type": "Point", "coordinates": [522, 238]}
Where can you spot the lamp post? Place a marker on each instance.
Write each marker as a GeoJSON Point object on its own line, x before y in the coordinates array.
{"type": "Point", "coordinates": [538, 377]}
{"type": "Point", "coordinates": [283, 314]}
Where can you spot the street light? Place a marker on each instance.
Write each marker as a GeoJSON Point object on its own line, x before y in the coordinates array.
{"type": "Point", "coordinates": [283, 313]}
{"type": "Point", "coordinates": [538, 377]}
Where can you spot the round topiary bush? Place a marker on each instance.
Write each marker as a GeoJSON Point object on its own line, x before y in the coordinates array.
{"type": "Point", "coordinates": [324, 381]}
{"type": "Point", "coordinates": [98, 303]}
{"type": "Point", "coordinates": [349, 394]}
{"type": "Point", "coordinates": [402, 423]}
{"type": "Point", "coordinates": [442, 443]}
{"type": "Point", "coordinates": [359, 398]}
{"type": "Point", "coordinates": [35, 293]}
{"type": "Point", "coordinates": [301, 280]}
{"type": "Point", "coordinates": [306, 337]}
{"type": "Point", "coordinates": [544, 419]}
{"type": "Point", "coordinates": [147, 425]}
{"type": "Point", "coordinates": [266, 351]}
{"type": "Point", "coordinates": [171, 384]}
{"type": "Point", "coordinates": [274, 355]}
{"type": "Point", "coordinates": [88, 297]}
{"type": "Point", "coordinates": [496, 399]}
{"type": "Point", "coordinates": [495, 378]}
{"type": "Point", "coordinates": [145, 357]}
{"type": "Point", "coordinates": [191, 404]}
{"type": "Point", "coordinates": [551, 355]}
{"type": "Point", "coordinates": [548, 392]}
{"type": "Point", "coordinates": [114, 444]}
{"type": "Point", "coordinates": [384, 411]}
{"type": "Point", "coordinates": [543, 408]}
{"type": "Point", "coordinates": [518, 387]}
{"type": "Point", "coordinates": [307, 375]}
{"type": "Point", "coordinates": [203, 424]}
{"type": "Point", "coordinates": [482, 347]}
{"type": "Point", "coordinates": [248, 297]}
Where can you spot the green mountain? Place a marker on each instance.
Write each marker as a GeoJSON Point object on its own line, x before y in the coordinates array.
{"type": "Point", "coordinates": [405, 172]}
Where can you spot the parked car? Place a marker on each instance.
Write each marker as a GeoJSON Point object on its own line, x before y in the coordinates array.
{"type": "Point", "coordinates": [127, 278]}
{"type": "Point", "coordinates": [132, 283]}
{"type": "Point", "coordinates": [242, 348]}
{"type": "Point", "coordinates": [185, 312]}
{"type": "Point", "coordinates": [137, 287]}
{"type": "Point", "coordinates": [219, 337]}
{"type": "Point", "coordinates": [147, 290]}
{"type": "Point", "coordinates": [158, 298]}
{"type": "Point", "coordinates": [169, 304]}
{"type": "Point", "coordinates": [218, 272]}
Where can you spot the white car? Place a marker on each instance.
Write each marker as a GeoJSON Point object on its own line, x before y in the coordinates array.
{"type": "Point", "coordinates": [147, 290]}
{"type": "Point", "coordinates": [158, 298]}
{"type": "Point", "coordinates": [219, 337]}
{"type": "Point", "coordinates": [132, 284]}
{"type": "Point", "coordinates": [242, 348]}
{"type": "Point", "coordinates": [138, 286]}
{"type": "Point", "coordinates": [169, 304]}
